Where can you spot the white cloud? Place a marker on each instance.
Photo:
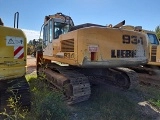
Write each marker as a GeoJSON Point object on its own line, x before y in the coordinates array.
{"type": "Point", "coordinates": [31, 34]}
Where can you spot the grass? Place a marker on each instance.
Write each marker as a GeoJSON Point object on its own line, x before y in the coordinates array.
{"type": "Point", "coordinates": [46, 104]}
{"type": "Point", "coordinates": [155, 102]}
{"type": "Point", "coordinates": [153, 96]}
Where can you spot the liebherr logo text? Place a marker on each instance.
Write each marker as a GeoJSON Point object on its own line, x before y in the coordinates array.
{"type": "Point", "coordinates": [127, 39]}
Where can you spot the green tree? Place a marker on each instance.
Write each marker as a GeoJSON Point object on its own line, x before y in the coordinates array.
{"type": "Point", "coordinates": [157, 30]}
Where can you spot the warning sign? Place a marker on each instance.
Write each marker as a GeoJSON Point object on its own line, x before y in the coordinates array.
{"type": "Point", "coordinates": [93, 48]}
{"type": "Point", "coordinates": [14, 41]}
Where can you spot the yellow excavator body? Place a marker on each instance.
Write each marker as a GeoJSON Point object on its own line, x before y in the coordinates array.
{"type": "Point", "coordinates": [99, 47]}
{"type": "Point", "coordinates": [13, 53]}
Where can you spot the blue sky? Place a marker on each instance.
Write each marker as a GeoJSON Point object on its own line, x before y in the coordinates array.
{"type": "Point", "coordinates": [32, 12]}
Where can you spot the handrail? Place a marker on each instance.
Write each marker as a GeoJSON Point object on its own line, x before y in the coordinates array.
{"type": "Point", "coordinates": [16, 19]}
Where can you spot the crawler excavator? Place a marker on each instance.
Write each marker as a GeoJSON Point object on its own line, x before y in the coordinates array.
{"type": "Point", "coordinates": [90, 52]}
{"type": "Point", "coordinates": [150, 72]}
{"type": "Point", "coordinates": [13, 66]}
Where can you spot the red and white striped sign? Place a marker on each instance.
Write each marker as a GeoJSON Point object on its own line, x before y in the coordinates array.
{"type": "Point", "coordinates": [18, 52]}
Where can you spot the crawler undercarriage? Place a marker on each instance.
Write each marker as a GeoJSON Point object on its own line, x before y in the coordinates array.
{"type": "Point", "coordinates": [18, 90]}
{"type": "Point", "coordinates": [75, 81]}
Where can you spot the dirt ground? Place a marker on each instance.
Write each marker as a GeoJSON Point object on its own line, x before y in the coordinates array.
{"type": "Point", "coordinates": [31, 64]}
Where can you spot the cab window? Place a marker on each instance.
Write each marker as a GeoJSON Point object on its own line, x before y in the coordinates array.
{"type": "Point", "coordinates": [45, 36]}
{"type": "Point", "coordinates": [50, 30]}
{"type": "Point", "coordinates": [60, 28]}
{"type": "Point", "coordinates": [152, 38]}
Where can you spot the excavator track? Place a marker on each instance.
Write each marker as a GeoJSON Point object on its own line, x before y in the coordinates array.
{"type": "Point", "coordinates": [75, 81]}
{"type": "Point", "coordinates": [75, 85]}
{"type": "Point", "coordinates": [123, 78]}
{"type": "Point", "coordinates": [79, 83]}
{"type": "Point", "coordinates": [18, 89]}
{"type": "Point", "coordinates": [132, 76]}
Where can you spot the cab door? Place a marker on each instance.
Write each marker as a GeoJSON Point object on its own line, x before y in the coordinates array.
{"type": "Point", "coordinates": [47, 38]}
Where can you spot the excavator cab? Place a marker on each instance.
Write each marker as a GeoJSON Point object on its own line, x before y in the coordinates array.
{"type": "Point", "coordinates": [54, 26]}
